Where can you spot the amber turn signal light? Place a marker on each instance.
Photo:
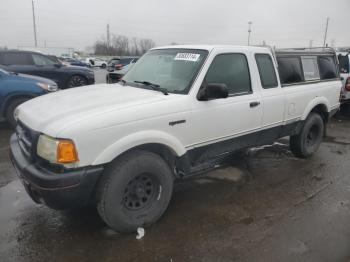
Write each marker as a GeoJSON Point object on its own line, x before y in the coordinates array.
{"type": "Point", "coordinates": [66, 152]}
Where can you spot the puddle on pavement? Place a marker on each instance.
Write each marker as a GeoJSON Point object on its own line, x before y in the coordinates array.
{"type": "Point", "coordinates": [215, 209]}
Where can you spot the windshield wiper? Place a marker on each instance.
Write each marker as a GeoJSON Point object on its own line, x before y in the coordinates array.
{"type": "Point", "coordinates": [153, 86]}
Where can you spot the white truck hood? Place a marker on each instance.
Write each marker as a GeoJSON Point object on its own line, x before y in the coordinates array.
{"type": "Point", "coordinates": [53, 112]}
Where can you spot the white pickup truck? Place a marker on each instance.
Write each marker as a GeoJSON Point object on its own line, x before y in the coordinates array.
{"type": "Point", "coordinates": [179, 111]}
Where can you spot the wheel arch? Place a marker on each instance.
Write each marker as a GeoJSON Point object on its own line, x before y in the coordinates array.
{"type": "Point", "coordinates": [319, 105]}
{"type": "Point", "coordinates": [11, 98]}
{"type": "Point", "coordinates": [161, 143]}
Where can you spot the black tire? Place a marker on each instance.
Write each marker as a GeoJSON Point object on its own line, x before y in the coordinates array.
{"type": "Point", "coordinates": [10, 117]}
{"type": "Point", "coordinates": [103, 66]}
{"type": "Point", "coordinates": [307, 142]}
{"type": "Point", "coordinates": [77, 80]}
{"type": "Point", "coordinates": [134, 191]}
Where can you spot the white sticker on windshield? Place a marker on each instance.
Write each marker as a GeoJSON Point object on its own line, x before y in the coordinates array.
{"type": "Point", "coordinates": [187, 57]}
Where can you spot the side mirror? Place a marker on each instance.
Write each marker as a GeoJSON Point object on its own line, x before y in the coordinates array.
{"type": "Point", "coordinates": [213, 91]}
{"type": "Point", "coordinates": [58, 65]}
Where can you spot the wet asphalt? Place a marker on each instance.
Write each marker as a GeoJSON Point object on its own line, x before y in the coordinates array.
{"type": "Point", "coordinates": [267, 206]}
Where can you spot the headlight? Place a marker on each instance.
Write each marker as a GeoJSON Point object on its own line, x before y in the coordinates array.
{"type": "Point", "coordinates": [57, 151]}
{"type": "Point", "coordinates": [48, 87]}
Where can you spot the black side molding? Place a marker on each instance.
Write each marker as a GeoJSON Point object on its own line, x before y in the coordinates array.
{"type": "Point", "coordinates": [177, 122]}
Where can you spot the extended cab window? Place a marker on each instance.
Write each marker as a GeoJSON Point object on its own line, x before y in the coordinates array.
{"type": "Point", "coordinates": [310, 68]}
{"type": "Point", "coordinates": [266, 70]}
{"type": "Point", "coordinates": [290, 70]}
{"type": "Point", "coordinates": [328, 69]}
{"type": "Point", "coordinates": [232, 70]}
{"type": "Point", "coordinates": [15, 59]}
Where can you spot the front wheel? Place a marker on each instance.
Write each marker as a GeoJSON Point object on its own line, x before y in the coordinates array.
{"type": "Point", "coordinates": [135, 191]}
{"type": "Point", "coordinates": [310, 137]}
{"type": "Point", "coordinates": [76, 81]}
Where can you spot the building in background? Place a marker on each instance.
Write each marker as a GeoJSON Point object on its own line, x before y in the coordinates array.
{"type": "Point", "coordinates": [56, 51]}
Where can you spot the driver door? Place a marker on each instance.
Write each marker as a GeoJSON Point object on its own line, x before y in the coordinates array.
{"type": "Point", "coordinates": [223, 125]}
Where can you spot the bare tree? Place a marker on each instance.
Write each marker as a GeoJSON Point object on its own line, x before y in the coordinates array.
{"type": "Point", "coordinates": [101, 47]}
{"type": "Point", "coordinates": [123, 46]}
{"type": "Point", "coordinates": [145, 45]}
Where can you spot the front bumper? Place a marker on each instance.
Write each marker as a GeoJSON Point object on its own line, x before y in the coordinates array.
{"type": "Point", "coordinates": [69, 189]}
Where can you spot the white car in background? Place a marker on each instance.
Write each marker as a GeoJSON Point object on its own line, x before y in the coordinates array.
{"type": "Point", "coordinates": [96, 62]}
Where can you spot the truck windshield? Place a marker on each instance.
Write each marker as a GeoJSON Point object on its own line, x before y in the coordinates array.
{"type": "Point", "coordinates": [173, 70]}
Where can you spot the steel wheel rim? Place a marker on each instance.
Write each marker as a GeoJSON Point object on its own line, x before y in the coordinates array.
{"type": "Point", "coordinates": [140, 192]}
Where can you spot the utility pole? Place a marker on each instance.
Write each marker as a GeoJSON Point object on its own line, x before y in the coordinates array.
{"type": "Point", "coordinates": [311, 43]}
{"type": "Point", "coordinates": [325, 33]}
{"type": "Point", "coordinates": [108, 39]}
{"type": "Point", "coordinates": [249, 31]}
{"type": "Point", "coordinates": [34, 25]}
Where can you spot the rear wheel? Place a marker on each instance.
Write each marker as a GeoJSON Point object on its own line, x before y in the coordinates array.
{"type": "Point", "coordinates": [134, 191]}
{"type": "Point", "coordinates": [103, 65]}
{"type": "Point", "coordinates": [76, 81]}
{"type": "Point", "coordinates": [307, 142]}
{"type": "Point", "coordinates": [10, 111]}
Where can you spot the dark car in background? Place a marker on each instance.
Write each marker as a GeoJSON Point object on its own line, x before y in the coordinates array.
{"type": "Point", "coordinates": [16, 89]}
{"type": "Point", "coordinates": [117, 75]}
{"type": "Point", "coordinates": [75, 62]}
{"type": "Point", "coordinates": [117, 70]}
{"type": "Point", "coordinates": [33, 63]}
{"type": "Point", "coordinates": [115, 64]}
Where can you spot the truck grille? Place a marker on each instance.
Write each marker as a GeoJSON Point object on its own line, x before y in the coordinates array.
{"type": "Point", "coordinates": [27, 139]}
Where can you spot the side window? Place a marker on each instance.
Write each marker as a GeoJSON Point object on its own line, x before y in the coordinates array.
{"type": "Point", "coordinates": [232, 70]}
{"type": "Point", "coordinates": [266, 70]}
{"type": "Point", "coordinates": [344, 63]}
{"type": "Point", "coordinates": [16, 59]}
{"type": "Point", "coordinates": [41, 60]}
{"type": "Point", "coordinates": [290, 70]}
{"type": "Point", "coordinates": [310, 68]}
{"type": "Point", "coordinates": [327, 66]}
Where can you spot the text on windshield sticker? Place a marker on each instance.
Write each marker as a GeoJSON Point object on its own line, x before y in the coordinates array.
{"type": "Point", "coordinates": [187, 57]}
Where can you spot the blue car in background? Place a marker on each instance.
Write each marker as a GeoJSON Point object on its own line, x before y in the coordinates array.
{"type": "Point", "coordinates": [76, 62]}
{"type": "Point", "coordinates": [16, 89]}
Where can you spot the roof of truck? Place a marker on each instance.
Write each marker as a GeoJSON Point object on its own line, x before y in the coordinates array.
{"type": "Point", "coordinates": [211, 47]}
{"type": "Point", "coordinates": [306, 51]}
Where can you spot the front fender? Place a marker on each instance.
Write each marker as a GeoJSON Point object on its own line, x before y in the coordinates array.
{"type": "Point", "coordinates": [313, 103]}
{"type": "Point", "coordinates": [138, 139]}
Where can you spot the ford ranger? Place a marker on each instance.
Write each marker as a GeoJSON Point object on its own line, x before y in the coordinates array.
{"type": "Point", "coordinates": [179, 111]}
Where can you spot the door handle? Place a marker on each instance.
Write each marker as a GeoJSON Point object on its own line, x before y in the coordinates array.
{"type": "Point", "coordinates": [254, 104]}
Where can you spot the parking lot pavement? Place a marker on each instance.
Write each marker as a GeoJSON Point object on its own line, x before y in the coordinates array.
{"type": "Point", "coordinates": [270, 206]}
{"type": "Point", "coordinates": [100, 75]}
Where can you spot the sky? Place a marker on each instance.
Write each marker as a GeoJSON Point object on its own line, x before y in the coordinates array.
{"type": "Point", "coordinates": [79, 23]}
